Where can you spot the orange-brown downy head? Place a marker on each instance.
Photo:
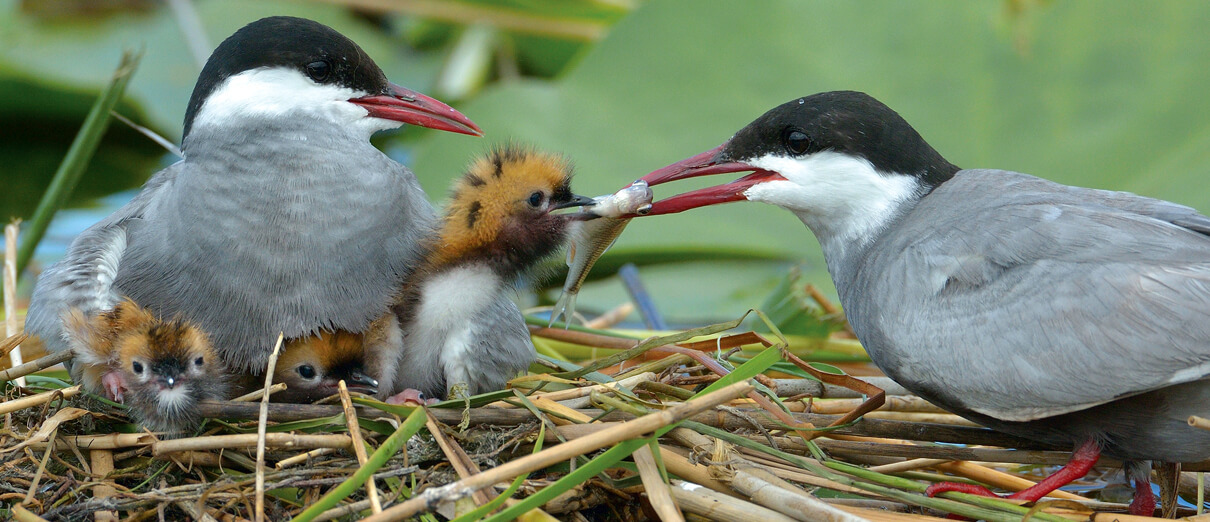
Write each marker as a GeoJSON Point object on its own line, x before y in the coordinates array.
{"type": "Point", "coordinates": [311, 367]}
{"type": "Point", "coordinates": [168, 357]}
{"type": "Point", "coordinates": [501, 209]}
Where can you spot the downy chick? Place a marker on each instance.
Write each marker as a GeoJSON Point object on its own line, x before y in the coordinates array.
{"type": "Point", "coordinates": [311, 367]}
{"type": "Point", "coordinates": [159, 369]}
{"type": "Point", "coordinates": [498, 224]}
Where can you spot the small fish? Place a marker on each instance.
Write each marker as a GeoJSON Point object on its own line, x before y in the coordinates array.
{"type": "Point", "coordinates": [593, 235]}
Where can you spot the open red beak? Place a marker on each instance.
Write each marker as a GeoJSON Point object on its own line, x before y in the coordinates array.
{"type": "Point", "coordinates": [705, 164]}
{"type": "Point", "coordinates": [408, 106]}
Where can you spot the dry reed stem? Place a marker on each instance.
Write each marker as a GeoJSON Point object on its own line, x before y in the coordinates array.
{"type": "Point", "coordinates": [460, 461]}
{"type": "Point", "coordinates": [717, 506]}
{"type": "Point", "coordinates": [302, 458]}
{"type": "Point", "coordinates": [907, 465]}
{"type": "Point", "coordinates": [102, 465]}
{"type": "Point", "coordinates": [919, 417]}
{"type": "Point", "coordinates": [11, 342]}
{"type": "Point", "coordinates": [907, 403]}
{"type": "Point", "coordinates": [612, 317]}
{"type": "Point", "coordinates": [261, 423]}
{"type": "Point", "coordinates": [48, 428]}
{"type": "Point", "coordinates": [11, 324]}
{"type": "Point", "coordinates": [796, 386]}
{"type": "Point", "coordinates": [251, 440]}
{"type": "Point", "coordinates": [109, 441]}
{"type": "Point", "coordinates": [787, 502]}
{"type": "Point", "coordinates": [359, 447]}
{"type": "Point", "coordinates": [33, 484]}
{"type": "Point", "coordinates": [20, 514]}
{"type": "Point", "coordinates": [561, 415]}
{"type": "Point", "coordinates": [625, 431]}
{"type": "Point", "coordinates": [680, 466]}
{"type": "Point", "coordinates": [657, 490]}
{"type": "Point", "coordinates": [37, 365]}
{"type": "Point", "coordinates": [35, 400]}
{"type": "Point", "coordinates": [258, 394]}
{"type": "Point", "coordinates": [879, 515]}
{"type": "Point", "coordinates": [1199, 422]}
{"type": "Point", "coordinates": [584, 391]}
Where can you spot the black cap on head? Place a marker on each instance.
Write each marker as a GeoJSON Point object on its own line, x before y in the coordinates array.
{"type": "Point", "coordinates": [849, 122]}
{"type": "Point", "coordinates": [316, 50]}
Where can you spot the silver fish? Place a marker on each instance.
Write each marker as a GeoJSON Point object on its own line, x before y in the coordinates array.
{"type": "Point", "coordinates": [596, 231]}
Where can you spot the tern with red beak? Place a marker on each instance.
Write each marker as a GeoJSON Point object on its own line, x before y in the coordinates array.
{"type": "Point", "coordinates": [282, 217]}
{"type": "Point", "coordinates": [1072, 316]}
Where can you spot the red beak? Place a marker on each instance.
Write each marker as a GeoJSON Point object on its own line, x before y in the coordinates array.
{"type": "Point", "coordinates": [705, 164]}
{"type": "Point", "coordinates": [408, 106]}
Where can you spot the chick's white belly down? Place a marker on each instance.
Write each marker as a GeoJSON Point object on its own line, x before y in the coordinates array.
{"type": "Point", "coordinates": [465, 332]}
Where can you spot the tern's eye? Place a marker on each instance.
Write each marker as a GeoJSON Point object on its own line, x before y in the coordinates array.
{"type": "Point", "coordinates": [319, 70]}
{"type": "Point", "coordinates": [306, 371]}
{"type": "Point", "coordinates": [535, 199]}
{"type": "Point", "coordinates": [137, 367]}
{"type": "Point", "coordinates": [199, 361]}
{"type": "Point", "coordinates": [797, 142]}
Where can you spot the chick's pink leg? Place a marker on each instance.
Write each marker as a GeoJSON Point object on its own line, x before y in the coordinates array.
{"type": "Point", "coordinates": [410, 395]}
{"type": "Point", "coordinates": [114, 386]}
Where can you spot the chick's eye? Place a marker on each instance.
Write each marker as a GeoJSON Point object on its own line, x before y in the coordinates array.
{"type": "Point", "coordinates": [199, 361]}
{"type": "Point", "coordinates": [137, 367]}
{"type": "Point", "coordinates": [319, 70]}
{"type": "Point", "coordinates": [797, 142]}
{"type": "Point", "coordinates": [535, 199]}
{"type": "Point", "coordinates": [306, 371]}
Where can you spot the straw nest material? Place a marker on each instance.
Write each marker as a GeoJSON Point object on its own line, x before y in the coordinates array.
{"type": "Point", "coordinates": [664, 428]}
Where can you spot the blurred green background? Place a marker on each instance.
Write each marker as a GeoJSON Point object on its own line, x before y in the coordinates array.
{"type": "Point", "coordinates": [1108, 94]}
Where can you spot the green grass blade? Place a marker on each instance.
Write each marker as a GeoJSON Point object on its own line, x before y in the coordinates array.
{"type": "Point", "coordinates": [77, 158]}
{"type": "Point", "coordinates": [597, 465]}
{"type": "Point", "coordinates": [415, 420]}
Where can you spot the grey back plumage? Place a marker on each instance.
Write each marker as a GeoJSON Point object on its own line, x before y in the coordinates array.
{"type": "Point", "coordinates": [249, 237]}
{"type": "Point", "coordinates": [1088, 296]}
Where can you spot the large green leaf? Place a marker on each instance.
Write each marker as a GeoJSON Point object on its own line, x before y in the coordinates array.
{"type": "Point", "coordinates": [51, 70]}
{"type": "Point", "coordinates": [1107, 94]}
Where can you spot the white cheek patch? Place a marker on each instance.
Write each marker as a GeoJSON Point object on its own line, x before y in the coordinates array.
{"type": "Point", "coordinates": [840, 197]}
{"type": "Point", "coordinates": [280, 92]}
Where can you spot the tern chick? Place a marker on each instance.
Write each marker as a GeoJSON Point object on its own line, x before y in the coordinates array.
{"type": "Point", "coordinates": [499, 223]}
{"type": "Point", "coordinates": [312, 366]}
{"type": "Point", "coordinates": [159, 369]}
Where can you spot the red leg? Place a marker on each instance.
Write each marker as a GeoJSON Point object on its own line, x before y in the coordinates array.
{"type": "Point", "coordinates": [1084, 458]}
{"type": "Point", "coordinates": [1144, 500]}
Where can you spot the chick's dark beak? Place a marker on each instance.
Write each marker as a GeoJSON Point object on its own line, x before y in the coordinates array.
{"type": "Point", "coordinates": [576, 201]}
{"type": "Point", "coordinates": [408, 106]}
{"type": "Point", "coordinates": [362, 383]}
{"type": "Point", "coordinates": [705, 164]}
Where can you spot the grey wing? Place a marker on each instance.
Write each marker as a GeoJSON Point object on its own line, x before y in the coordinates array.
{"type": "Point", "coordinates": [504, 341]}
{"type": "Point", "coordinates": [1061, 301]}
{"type": "Point", "coordinates": [84, 278]}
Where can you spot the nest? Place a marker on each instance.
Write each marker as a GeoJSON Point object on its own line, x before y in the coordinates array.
{"type": "Point", "coordinates": [657, 429]}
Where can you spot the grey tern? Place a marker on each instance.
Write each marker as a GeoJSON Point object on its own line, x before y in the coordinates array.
{"type": "Point", "coordinates": [1072, 316]}
{"type": "Point", "coordinates": [282, 217]}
